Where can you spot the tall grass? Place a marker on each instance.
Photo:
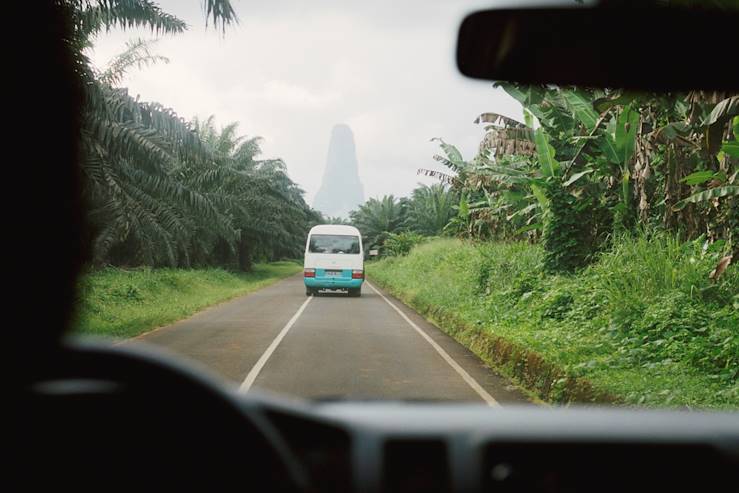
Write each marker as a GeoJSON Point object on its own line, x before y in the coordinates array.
{"type": "Point", "coordinates": [639, 270]}
{"type": "Point", "coordinates": [644, 322]}
{"type": "Point", "coordinates": [126, 302]}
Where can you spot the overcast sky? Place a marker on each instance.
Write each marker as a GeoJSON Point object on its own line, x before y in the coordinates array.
{"type": "Point", "coordinates": [292, 69]}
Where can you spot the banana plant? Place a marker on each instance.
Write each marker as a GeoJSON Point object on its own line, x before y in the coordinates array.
{"type": "Point", "coordinates": [731, 147]}
{"type": "Point", "coordinates": [627, 126]}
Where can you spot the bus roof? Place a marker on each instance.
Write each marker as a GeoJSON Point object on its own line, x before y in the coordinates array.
{"type": "Point", "coordinates": [334, 229]}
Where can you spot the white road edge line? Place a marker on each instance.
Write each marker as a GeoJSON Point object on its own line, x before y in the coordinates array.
{"type": "Point", "coordinates": [465, 376]}
{"type": "Point", "coordinates": [257, 368]}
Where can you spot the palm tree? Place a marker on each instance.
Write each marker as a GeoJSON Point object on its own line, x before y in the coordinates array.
{"type": "Point", "coordinates": [164, 191]}
{"type": "Point", "coordinates": [376, 219]}
{"type": "Point", "coordinates": [93, 16]}
{"type": "Point", "coordinates": [430, 209]}
{"type": "Point", "coordinates": [134, 156]}
{"type": "Point", "coordinates": [336, 220]}
{"type": "Point", "coordinates": [133, 152]}
{"type": "Point", "coordinates": [267, 208]}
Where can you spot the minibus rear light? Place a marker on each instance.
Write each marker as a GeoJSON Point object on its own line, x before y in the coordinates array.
{"type": "Point", "coordinates": [309, 273]}
{"type": "Point", "coordinates": [357, 274]}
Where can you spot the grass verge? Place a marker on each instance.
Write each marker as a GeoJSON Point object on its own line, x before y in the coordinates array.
{"type": "Point", "coordinates": [642, 326]}
{"type": "Point", "coordinates": [124, 303]}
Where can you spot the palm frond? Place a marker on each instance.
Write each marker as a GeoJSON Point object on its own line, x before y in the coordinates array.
{"type": "Point", "coordinates": [93, 16]}
{"type": "Point", "coordinates": [497, 119]}
{"type": "Point", "coordinates": [137, 54]}
{"type": "Point", "coordinates": [441, 176]}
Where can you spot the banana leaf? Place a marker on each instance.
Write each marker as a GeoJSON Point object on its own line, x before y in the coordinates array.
{"type": "Point", "coordinates": [706, 195]}
{"type": "Point", "coordinates": [581, 107]}
{"type": "Point", "coordinates": [549, 166]}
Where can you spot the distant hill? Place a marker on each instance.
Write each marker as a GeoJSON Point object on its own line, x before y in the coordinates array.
{"type": "Point", "coordinates": [341, 190]}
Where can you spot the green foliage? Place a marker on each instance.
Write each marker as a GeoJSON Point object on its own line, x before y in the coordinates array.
{"type": "Point", "coordinates": [335, 220]}
{"type": "Point", "coordinates": [713, 193]}
{"type": "Point", "coordinates": [569, 237]}
{"type": "Point", "coordinates": [401, 243]}
{"type": "Point", "coordinates": [637, 160]}
{"type": "Point", "coordinates": [497, 199]}
{"type": "Point", "coordinates": [137, 54]}
{"type": "Point", "coordinates": [549, 165]}
{"type": "Point", "coordinates": [266, 205]}
{"type": "Point", "coordinates": [643, 323]}
{"type": "Point", "coordinates": [677, 328]}
{"type": "Point", "coordinates": [165, 192]}
{"type": "Point", "coordinates": [627, 126]}
{"type": "Point", "coordinates": [430, 208]}
{"type": "Point", "coordinates": [95, 16]}
{"type": "Point", "coordinates": [581, 106]}
{"type": "Point", "coordinates": [376, 219]}
{"type": "Point", "coordinates": [124, 303]}
{"type": "Point", "coordinates": [637, 270]}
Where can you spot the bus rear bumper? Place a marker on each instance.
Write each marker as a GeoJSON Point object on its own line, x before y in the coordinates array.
{"type": "Point", "coordinates": [332, 283]}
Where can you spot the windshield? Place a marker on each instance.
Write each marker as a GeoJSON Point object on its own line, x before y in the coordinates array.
{"type": "Point", "coordinates": [334, 244]}
{"type": "Point", "coordinates": [520, 244]}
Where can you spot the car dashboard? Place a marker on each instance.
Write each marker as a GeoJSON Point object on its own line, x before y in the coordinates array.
{"type": "Point", "coordinates": [99, 413]}
{"type": "Point", "coordinates": [415, 447]}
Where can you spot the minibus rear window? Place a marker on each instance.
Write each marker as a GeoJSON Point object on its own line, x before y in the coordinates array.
{"type": "Point", "coordinates": [334, 244]}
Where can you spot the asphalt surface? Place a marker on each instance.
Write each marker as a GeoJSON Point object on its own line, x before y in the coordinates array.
{"type": "Point", "coordinates": [337, 347]}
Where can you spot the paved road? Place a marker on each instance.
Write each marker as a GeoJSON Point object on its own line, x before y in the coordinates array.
{"type": "Point", "coordinates": [332, 346]}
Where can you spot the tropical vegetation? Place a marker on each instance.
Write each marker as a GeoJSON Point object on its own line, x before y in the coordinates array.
{"type": "Point", "coordinates": [642, 325]}
{"type": "Point", "coordinates": [595, 246]}
{"type": "Point", "coordinates": [588, 164]}
{"type": "Point", "coordinates": [592, 241]}
{"type": "Point", "coordinates": [116, 302]}
{"type": "Point", "coordinates": [585, 166]}
{"type": "Point", "coordinates": [163, 191]}
{"type": "Point", "coordinates": [425, 213]}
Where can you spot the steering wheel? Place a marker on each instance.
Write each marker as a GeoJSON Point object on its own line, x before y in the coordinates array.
{"type": "Point", "coordinates": [93, 415]}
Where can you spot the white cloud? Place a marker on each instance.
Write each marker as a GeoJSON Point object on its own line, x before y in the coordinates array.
{"type": "Point", "coordinates": [291, 70]}
{"type": "Point", "coordinates": [292, 96]}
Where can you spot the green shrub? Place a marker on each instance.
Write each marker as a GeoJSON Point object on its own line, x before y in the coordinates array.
{"type": "Point", "coordinates": [637, 270]}
{"type": "Point", "coordinates": [126, 302]}
{"type": "Point", "coordinates": [401, 243]}
{"type": "Point", "coordinates": [515, 267]}
{"type": "Point", "coordinates": [677, 328]}
{"type": "Point", "coordinates": [558, 305]}
{"type": "Point", "coordinates": [643, 323]}
{"type": "Point", "coordinates": [571, 230]}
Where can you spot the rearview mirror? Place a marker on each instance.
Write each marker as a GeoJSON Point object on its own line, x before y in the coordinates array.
{"type": "Point", "coordinates": [649, 48]}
